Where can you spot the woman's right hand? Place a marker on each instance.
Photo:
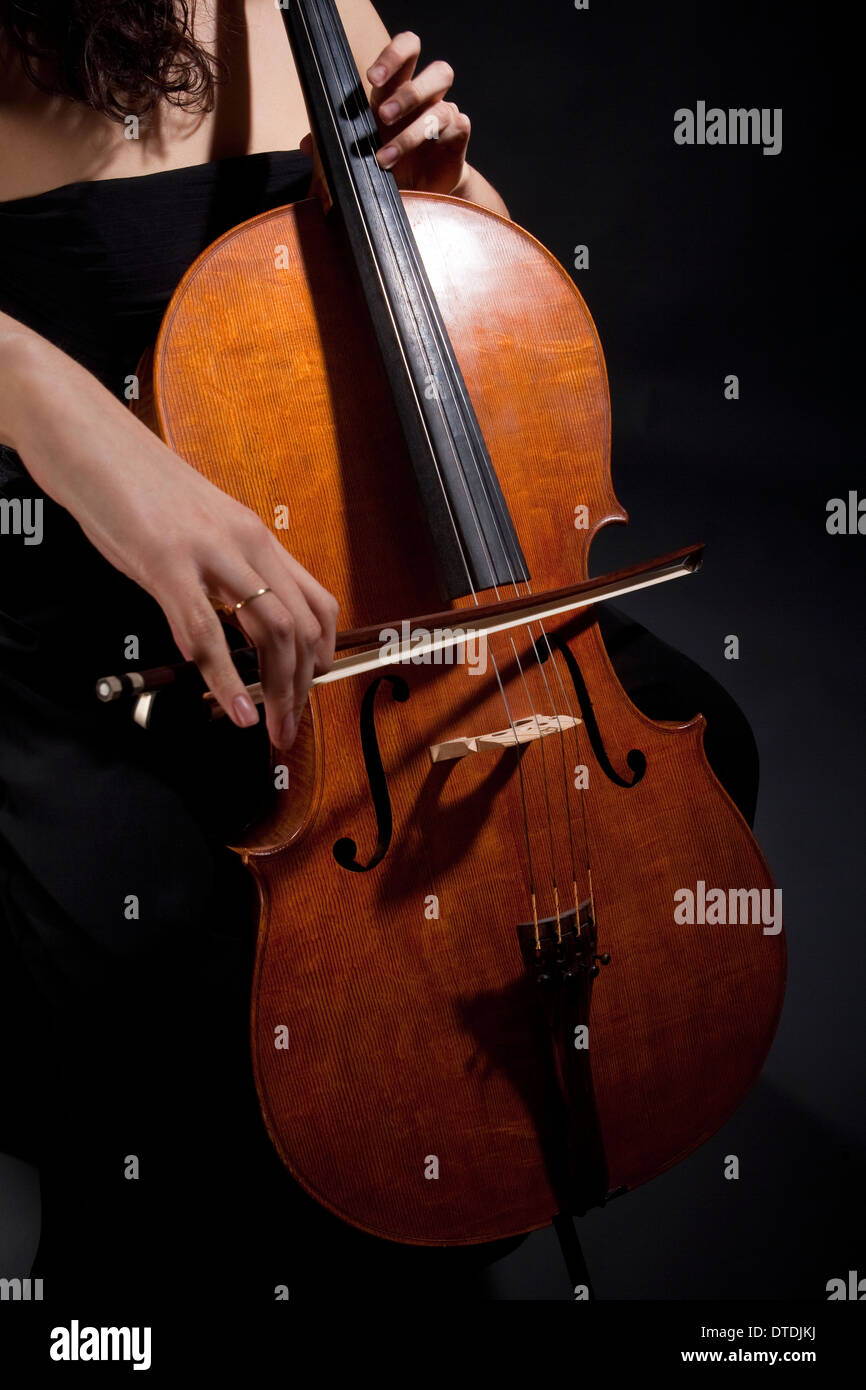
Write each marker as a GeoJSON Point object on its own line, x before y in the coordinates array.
{"type": "Point", "coordinates": [170, 530]}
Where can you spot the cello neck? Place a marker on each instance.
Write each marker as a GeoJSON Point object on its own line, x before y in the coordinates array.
{"type": "Point", "coordinates": [473, 535]}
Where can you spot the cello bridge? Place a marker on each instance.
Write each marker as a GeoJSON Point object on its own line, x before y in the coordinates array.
{"type": "Point", "coordinates": [535, 726]}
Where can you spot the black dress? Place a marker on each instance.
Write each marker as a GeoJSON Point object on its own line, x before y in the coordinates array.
{"type": "Point", "coordinates": [123, 1036]}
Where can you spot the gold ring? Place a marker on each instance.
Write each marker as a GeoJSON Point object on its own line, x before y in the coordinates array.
{"type": "Point", "coordinates": [238, 606]}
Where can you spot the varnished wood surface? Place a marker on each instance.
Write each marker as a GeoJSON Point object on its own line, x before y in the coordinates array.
{"type": "Point", "coordinates": [411, 1035]}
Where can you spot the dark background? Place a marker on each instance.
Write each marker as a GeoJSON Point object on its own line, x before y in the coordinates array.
{"type": "Point", "coordinates": [703, 262]}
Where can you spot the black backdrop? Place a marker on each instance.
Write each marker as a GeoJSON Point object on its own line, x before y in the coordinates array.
{"type": "Point", "coordinates": [706, 261]}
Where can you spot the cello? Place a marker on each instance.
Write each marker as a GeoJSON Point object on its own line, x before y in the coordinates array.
{"type": "Point", "coordinates": [512, 955]}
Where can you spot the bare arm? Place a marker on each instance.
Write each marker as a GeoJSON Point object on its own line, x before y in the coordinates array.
{"type": "Point", "coordinates": [165, 526]}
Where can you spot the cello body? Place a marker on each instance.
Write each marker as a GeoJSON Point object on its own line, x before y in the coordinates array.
{"type": "Point", "coordinates": [401, 1041]}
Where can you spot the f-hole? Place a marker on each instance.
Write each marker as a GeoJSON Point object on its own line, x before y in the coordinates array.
{"type": "Point", "coordinates": [635, 759]}
{"type": "Point", "coordinates": [345, 849]}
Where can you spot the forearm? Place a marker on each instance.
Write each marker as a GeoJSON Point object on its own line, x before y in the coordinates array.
{"type": "Point", "coordinates": [48, 401]}
{"type": "Point", "coordinates": [475, 189]}
{"type": "Point", "coordinates": [78, 442]}
{"type": "Point", "coordinates": [165, 526]}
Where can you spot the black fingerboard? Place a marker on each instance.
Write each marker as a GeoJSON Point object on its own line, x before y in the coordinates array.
{"type": "Point", "coordinates": [473, 535]}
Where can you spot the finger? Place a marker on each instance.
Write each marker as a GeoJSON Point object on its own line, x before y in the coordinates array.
{"type": "Point", "coordinates": [199, 635]}
{"type": "Point", "coordinates": [322, 603]}
{"type": "Point", "coordinates": [435, 124]}
{"type": "Point", "coordinates": [458, 130]}
{"type": "Point", "coordinates": [294, 639]}
{"type": "Point", "coordinates": [395, 63]}
{"type": "Point", "coordinates": [424, 90]}
{"type": "Point", "coordinates": [273, 627]}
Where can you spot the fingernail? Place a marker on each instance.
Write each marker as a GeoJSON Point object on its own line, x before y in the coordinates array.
{"type": "Point", "coordinates": [389, 110]}
{"type": "Point", "coordinates": [245, 711]}
{"type": "Point", "coordinates": [388, 156]}
{"type": "Point", "coordinates": [287, 732]}
{"type": "Point", "coordinates": [377, 73]}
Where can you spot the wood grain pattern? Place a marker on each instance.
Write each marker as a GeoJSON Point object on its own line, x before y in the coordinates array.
{"type": "Point", "coordinates": [414, 1035]}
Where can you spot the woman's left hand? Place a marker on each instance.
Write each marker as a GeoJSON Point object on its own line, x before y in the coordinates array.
{"type": "Point", "coordinates": [424, 137]}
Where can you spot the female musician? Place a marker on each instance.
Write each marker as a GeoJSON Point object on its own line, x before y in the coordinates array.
{"type": "Point", "coordinates": [134, 135]}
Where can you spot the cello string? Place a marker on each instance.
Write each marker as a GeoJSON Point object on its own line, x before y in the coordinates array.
{"type": "Point", "coordinates": [388, 187]}
{"type": "Point", "coordinates": [300, 11]}
{"type": "Point", "coordinates": [411, 247]}
{"type": "Point", "coordinates": [469, 416]}
{"type": "Point", "coordinates": [515, 585]}
{"type": "Point", "coordinates": [391, 192]}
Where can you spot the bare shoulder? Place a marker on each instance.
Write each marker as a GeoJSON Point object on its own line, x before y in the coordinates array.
{"type": "Point", "coordinates": [46, 140]}
{"type": "Point", "coordinates": [20, 105]}
{"type": "Point", "coordinates": [49, 141]}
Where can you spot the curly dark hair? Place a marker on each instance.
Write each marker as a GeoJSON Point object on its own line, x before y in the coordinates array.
{"type": "Point", "coordinates": [120, 57]}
